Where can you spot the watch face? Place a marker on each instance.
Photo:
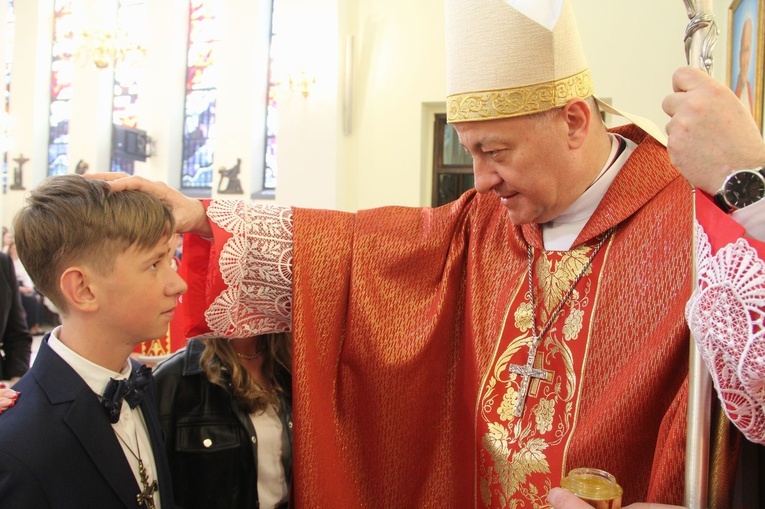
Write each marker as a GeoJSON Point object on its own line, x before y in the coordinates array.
{"type": "Point", "coordinates": [744, 188]}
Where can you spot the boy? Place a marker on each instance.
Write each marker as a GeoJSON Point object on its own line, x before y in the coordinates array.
{"type": "Point", "coordinates": [104, 260]}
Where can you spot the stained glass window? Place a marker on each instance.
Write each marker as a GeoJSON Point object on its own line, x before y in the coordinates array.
{"type": "Point", "coordinates": [272, 117]}
{"type": "Point", "coordinates": [10, 30]}
{"type": "Point", "coordinates": [61, 87]}
{"type": "Point", "coordinates": [131, 20]}
{"type": "Point", "coordinates": [201, 94]}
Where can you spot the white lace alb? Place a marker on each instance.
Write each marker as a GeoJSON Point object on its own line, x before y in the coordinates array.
{"type": "Point", "coordinates": [256, 265]}
{"type": "Point", "coordinates": [725, 315]}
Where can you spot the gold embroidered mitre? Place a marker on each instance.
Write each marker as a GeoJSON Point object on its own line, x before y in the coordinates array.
{"type": "Point", "coordinates": [507, 58]}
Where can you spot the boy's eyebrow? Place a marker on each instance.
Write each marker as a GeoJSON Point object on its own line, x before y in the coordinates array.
{"type": "Point", "coordinates": [158, 253]}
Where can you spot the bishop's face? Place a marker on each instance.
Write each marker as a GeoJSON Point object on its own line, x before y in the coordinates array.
{"type": "Point", "coordinates": [525, 161]}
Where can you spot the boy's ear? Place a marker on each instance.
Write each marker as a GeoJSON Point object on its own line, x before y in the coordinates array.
{"type": "Point", "coordinates": [76, 289]}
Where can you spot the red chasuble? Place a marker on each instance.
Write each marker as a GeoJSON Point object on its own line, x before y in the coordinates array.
{"type": "Point", "coordinates": [405, 322]}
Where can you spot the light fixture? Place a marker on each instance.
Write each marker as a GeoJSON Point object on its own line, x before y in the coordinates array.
{"type": "Point", "coordinates": [302, 83]}
{"type": "Point", "coordinates": [106, 47]}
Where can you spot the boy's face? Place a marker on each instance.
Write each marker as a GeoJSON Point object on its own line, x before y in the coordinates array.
{"type": "Point", "coordinates": [138, 298]}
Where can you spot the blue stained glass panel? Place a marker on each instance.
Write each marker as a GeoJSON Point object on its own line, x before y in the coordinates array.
{"type": "Point", "coordinates": [61, 87]}
{"type": "Point", "coordinates": [199, 137]}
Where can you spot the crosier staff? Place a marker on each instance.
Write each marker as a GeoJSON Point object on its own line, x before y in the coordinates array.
{"type": "Point", "coordinates": [700, 39]}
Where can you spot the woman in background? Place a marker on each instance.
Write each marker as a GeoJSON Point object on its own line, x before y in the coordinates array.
{"type": "Point", "coordinates": [7, 239]}
{"type": "Point", "coordinates": [226, 411]}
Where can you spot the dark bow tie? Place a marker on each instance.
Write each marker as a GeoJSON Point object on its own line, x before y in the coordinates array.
{"type": "Point", "coordinates": [131, 390]}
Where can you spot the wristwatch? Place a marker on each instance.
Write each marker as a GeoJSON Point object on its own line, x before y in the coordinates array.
{"type": "Point", "coordinates": [741, 188]}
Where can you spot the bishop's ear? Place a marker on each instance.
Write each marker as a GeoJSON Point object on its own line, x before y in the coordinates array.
{"type": "Point", "coordinates": [578, 117]}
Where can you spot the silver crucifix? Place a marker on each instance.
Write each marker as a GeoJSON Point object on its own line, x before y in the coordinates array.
{"type": "Point", "coordinates": [527, 372]}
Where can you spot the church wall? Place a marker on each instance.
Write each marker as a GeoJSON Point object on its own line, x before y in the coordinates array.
{"type": "Point", "coordinates": [634, 46]}
{"type": "Point", "coordinates": [400, 57]}
{"type": "Point", "coordinates": [162, 94]}
{"type": "Point", "coordinates": [310, 127]}
{"type": "Point", "coordinates": [399, 83]}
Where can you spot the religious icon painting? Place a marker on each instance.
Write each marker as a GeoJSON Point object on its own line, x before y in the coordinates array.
{"type": "Point", "coordinates": [746, 53]}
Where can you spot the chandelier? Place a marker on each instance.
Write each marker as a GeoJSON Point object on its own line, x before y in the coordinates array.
{"type": "Point", "coordinates": [107, 47]}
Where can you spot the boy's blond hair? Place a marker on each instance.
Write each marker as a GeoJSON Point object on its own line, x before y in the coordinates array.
{"type": "Point", "coordinates": [69, 220]}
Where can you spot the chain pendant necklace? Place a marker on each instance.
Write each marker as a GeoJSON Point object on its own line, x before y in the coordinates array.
{"type": "Point", "coordinates": [145, 498]}
{"type": "Point", "coordinates": [528, 371]}
{"type": "Point", "coordinates": [246, 356]}
{"type": "Point", "coordinates": [260, 349]}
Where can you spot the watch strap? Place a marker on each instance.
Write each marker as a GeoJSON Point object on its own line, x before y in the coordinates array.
{"type": "Point", "coordinates": [720, 201]}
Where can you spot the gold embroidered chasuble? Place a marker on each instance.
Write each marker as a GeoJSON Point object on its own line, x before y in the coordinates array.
{"type": "Point", "coordinates": [521, 459]}
{"type": "Point", "coordinates": [405, 320]}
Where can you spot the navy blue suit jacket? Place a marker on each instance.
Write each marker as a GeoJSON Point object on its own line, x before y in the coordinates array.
{"type": "Point", "coordinates": [58, 448]}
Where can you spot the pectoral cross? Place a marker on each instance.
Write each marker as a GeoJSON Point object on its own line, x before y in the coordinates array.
{"type": "Point", "coordinates": [527, 372]}
{"type": "Point", "coordinates": [146, 497]}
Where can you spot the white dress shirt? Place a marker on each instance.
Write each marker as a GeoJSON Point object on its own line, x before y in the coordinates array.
{"type": "Point", "coordinates": [272, 483]}
{"type": "Point", "coordinates": [131, 425]}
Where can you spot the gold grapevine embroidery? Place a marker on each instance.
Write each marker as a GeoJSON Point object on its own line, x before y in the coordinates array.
{"type": "Point", "coordinates": [516, 446]}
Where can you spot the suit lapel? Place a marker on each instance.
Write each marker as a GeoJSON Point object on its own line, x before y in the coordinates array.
{"type": "Point", "coordinates": [99, 441]}
{"type": "Point", "coordinates": [149, 408]}
{"type": "Point", "coordinates": [87, 420]}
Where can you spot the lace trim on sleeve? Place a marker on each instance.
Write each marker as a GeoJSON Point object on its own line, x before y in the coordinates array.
{"type": "Point", "coordinates": [725, 315]}
{"type": "Point", "coordinates": [256, 265]}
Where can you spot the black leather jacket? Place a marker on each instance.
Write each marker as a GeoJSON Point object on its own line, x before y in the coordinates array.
{"type": "Point", "coordinates": [210, 442]}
